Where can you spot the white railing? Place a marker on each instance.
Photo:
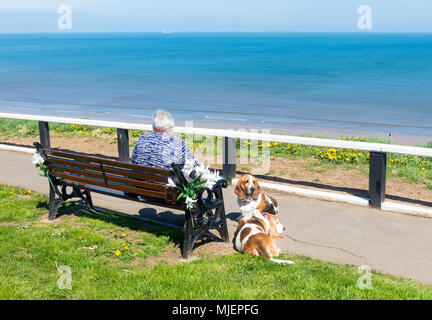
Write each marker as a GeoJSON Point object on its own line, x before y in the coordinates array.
{"type": "Point", "coordinates": [242, 134]}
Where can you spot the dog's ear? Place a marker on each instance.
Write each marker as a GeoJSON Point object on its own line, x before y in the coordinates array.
{"type": "Point", "coordinates": [240, 225]}
{"type": "Point", "coordinates": [239, 190]}
{"type": "Point", "coordinates": [257, 191]}
{"type": "Point", "coordinates": [275, 203]}
{"type": "Point", "coordinates": [271, 206]}
{"type": "Point", "coordinates": [273, 232]}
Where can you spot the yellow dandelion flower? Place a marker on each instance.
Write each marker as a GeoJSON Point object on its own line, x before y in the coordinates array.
{"type": "Point", "coordinates": [123, 234]}
{"type": "Point", "coordinates": [117, 253]}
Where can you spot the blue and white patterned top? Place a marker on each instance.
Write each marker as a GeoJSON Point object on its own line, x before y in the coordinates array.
{"type": "Point", "coordinates": [159, 150]}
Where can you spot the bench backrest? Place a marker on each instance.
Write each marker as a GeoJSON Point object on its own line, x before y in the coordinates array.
{"type": "Point", "coordinates": [101, 172]}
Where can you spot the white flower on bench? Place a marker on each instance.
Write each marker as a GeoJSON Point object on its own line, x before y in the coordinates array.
{"type": "Point", "coordinates": [197, 178]}
{"type": "Point", "coordinates": [38, 160]}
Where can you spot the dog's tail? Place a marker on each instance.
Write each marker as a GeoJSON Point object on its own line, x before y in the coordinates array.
{"type": "Point", "coordinates": [282, 261]}
{"type": "Point", "coordinates": [263, 251]}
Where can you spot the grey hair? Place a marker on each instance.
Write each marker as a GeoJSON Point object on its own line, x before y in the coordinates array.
{"type": "Point", "coordinates": [163, 120]}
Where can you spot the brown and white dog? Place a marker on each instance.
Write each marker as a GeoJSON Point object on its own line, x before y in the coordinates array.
{"type": "Point", "coordinates": [255, 236]}
{"type": "Point", "coordinates": [250, 197]}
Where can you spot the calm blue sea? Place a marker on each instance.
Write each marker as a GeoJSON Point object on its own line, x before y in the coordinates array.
{"type": "Point", "coordinates": [321, 83]}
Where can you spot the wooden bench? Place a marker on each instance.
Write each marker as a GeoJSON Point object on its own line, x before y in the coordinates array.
{"type": "Point", "coordinates": [76, 175]}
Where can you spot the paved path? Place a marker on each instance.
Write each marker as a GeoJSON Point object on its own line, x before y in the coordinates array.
{"type": "Point", "coordinates": [387, 242]}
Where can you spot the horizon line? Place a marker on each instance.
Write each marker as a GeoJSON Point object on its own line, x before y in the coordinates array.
{"type": "Point", "coordinates": [178, 32]}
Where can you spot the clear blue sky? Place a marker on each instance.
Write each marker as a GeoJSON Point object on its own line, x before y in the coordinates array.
{"type": "Point", "coordinates": [215, 15]}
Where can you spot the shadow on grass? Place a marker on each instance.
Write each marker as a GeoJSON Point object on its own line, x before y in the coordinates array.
{"type": "Point", "coordinates": [165, 223]}
{"type": "Point", "coordinates": [132, 222]}
{"type": "Point", "coordinates": [65, 209]}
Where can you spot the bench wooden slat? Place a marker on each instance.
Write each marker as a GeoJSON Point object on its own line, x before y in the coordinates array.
{"type": "Point", "coordinates": [115, 186]}
{"type": "Point", "coordinates": [170, 204]}
{"type": "Point", "coordinates": [109, 162]}
{"type": "Point", "coordinates": [99, 168]}
{"type": "Point", "coordinates": [108, 177]}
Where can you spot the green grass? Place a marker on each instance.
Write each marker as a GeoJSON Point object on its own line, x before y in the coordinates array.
{"type": "Point", "coordinates": [31, 251]}
{"type": "Point", "coordinates": [27, 128]}
{"type": "Point", "coordinates": [14, 209]}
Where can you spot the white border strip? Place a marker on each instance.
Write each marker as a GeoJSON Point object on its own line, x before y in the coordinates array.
{"type": "Point", "coordinates": [242, 134]}
{"type": "Point", "coordinates": [407, 209]}
{"type": "Point", "coordinates": [364, 202]}
{"type": "Point", "coordinates": [5, 147]}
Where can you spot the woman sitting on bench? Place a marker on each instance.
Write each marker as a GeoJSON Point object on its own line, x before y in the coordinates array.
{"type": "Point", "coordinates": [160, 147]}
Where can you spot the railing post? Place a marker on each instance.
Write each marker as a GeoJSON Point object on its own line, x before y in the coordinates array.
{"type": "Point", "coordinates": [377, 178]}
{"type": "Point", "coordinates": [44, 135]}
{"type": "Point", "coordinates": [229, 159]}
{"type": "Point", "coordinates": [123, 144]}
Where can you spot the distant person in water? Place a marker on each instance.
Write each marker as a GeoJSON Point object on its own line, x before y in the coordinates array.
{"type": "Point", "coordinates": [160, 147]}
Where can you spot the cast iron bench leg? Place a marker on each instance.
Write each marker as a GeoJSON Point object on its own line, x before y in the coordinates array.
{"type": "Point", "coordinates": [187, 241]}
{"type": "Point", "coordinates": [54, 204]}
{"type": "Point", "coordinates": [224, 233]}
{"type": "Point", "coordinates": [89, 200]}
